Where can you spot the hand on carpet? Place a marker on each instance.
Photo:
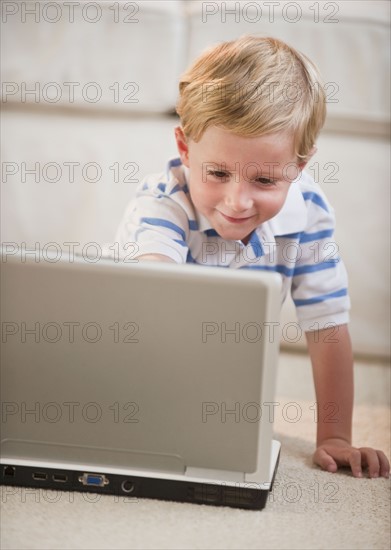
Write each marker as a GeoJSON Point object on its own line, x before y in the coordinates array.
{"type": "Point", "coordinates": [332, 453]}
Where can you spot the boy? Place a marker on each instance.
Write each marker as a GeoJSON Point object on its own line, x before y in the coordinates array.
{"type": "Point", "coordinates": [251, 110]}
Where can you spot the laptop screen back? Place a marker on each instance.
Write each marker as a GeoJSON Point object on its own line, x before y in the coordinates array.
{"type": "Point", "coordinates": [146, 365]}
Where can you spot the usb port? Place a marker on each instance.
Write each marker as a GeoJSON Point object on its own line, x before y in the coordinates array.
{"type": "Point", "coordinates": [94, 480]}
{"type": "Point", "coordinates": [41, 476]}
{"type": "Point", "coordinates": [60, 478]}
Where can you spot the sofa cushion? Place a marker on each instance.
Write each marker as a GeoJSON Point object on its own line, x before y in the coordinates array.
{"type": "Point", "coordinates": [97, 55]}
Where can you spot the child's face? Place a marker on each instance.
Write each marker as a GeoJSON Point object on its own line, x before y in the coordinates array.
{"type": "Point", "coordinates": [236, 182]}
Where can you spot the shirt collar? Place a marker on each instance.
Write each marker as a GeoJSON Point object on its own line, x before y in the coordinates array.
{"type": "Point", "coordinates": [293, 215]}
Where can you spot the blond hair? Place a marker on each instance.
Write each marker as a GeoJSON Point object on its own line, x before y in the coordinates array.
{"type": "Point", "coordinates": [253, 86]}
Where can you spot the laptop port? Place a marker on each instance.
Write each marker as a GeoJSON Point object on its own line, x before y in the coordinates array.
{"type": "Point", "coordinates": [94, 480]}
{"type": "Point", "coordinates": [9, 471]}
{"type": "Point", "coordinates": [40, 476]}
{"type": "Point", "coordinates": [127, 486]}
{"type": "Point", "coordinates": [60, 478]}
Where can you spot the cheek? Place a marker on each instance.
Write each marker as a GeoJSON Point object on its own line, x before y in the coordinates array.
{"type": "Point", "coordinates": [204, 194]}
{"type": "Point", "coordinates": [271, 202]}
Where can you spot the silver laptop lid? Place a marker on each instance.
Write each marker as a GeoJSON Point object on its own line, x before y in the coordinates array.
{"type": "Point", "coordinates": [149, 366]}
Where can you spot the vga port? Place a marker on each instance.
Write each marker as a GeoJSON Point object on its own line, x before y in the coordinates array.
{"type": "Point", "coordinates": [94, 480]}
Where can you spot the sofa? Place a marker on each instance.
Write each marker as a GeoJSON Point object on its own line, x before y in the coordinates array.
{"type": "Point", "coordinates": [88, 101]}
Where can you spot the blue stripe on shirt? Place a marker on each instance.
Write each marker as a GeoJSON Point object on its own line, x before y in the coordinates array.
{"type": "Point", "coordinates": [160, 222]}
{"type": "Point", "coordinates": [256, 245]}
{"type": "Point", "coordinates": [193, 225]}
{"type": "Point", "coordinates": [321, 298]}
{"type": "Point", "coordinates": [293, 271]}
{"type": "Point", "coordinates": [317, 199]}
{"type": "Point", "coordinates": [179, 187]}
{"type": "Point", "coordinates": [308, 237]}
{"type": "Point", "coordinates": [311, 268]}
{"type": "Point", "coordinates": [211, 233]}
{"type": "Point", "coordinates": [290, 236]}
{"type": "Point", "coordinates": [174, 162]}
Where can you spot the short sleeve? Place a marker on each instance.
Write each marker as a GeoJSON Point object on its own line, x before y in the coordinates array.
{"type": "Point", "coordinates": [319, 283]}
{"type": "Point", "coordinates": [154, 223]}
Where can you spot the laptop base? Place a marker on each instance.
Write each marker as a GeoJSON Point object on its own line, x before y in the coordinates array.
{"type": "Point", "coordinates": [236, 495]}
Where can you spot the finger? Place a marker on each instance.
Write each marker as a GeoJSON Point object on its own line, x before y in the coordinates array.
{"type": "Point", "coordinates": [325, 461]}
{"type": "Point", "coordinates": [347, 456]}
{"type": "Point", "coordinates": [355, 462]}
{"type": "Point", "coordinates": [384, 464]}
{"type": "Point", "coordinates": [371, 459]}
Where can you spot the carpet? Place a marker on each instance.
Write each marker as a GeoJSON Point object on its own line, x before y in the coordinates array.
{"type": "Point", "coordinates": [307, 509]}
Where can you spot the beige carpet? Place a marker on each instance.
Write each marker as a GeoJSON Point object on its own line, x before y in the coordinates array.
{"type": "Point", "coordinates": [308, 509]}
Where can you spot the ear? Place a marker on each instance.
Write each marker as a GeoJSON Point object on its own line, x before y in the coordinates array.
{"type": "Point", "coordinates": [312, 152]}
{"type": "Point", "coordinates": [183, 147]}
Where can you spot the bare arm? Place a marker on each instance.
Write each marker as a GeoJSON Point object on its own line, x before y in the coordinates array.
{"type": "Point", "coordinates": [332, 365]}
{"type": "Point", "coordinates": [156, 258]}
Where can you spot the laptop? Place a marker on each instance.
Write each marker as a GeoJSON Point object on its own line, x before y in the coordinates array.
{"type": "Point", "coordinates": [145, 379]}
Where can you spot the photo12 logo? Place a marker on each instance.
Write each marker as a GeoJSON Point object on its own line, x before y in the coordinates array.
{"type": "Point", "coordinates": [69, 251]}
{"type": "Point", "coordinates": [53, 496]}
{"type": "Point", "coordinates": [68, 172]}
{"type": "Point", "coordinates": [70, 412]}
{"type": "Point", "coordinates": [68, 332]}
{"type": "Point", "coordinates": [269, 12]}
{"type": "Point", "coordinates": [70, 12]}
{"type": "Point", "coordinates": [69, 92]}
{"type": "Point", "coordinates": [235, 412]}
{"type": "Point", "coordinates": [252, 332]}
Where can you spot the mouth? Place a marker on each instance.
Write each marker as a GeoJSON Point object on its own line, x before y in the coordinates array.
{"type": "Point", "coordinates": [236, 220]}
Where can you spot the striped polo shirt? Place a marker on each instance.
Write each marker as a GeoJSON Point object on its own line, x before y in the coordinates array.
{"type": "Point", "coordinates": [297, 242]}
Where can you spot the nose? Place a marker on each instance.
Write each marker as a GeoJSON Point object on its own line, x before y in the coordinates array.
{"type": "Point", "coordinates": [238, 198]}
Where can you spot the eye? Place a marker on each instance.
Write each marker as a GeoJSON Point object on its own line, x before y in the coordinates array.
{"type": "Point", "coordinates": [217, 173]}
{"type": "Point", "coordinates": [266, 182]}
